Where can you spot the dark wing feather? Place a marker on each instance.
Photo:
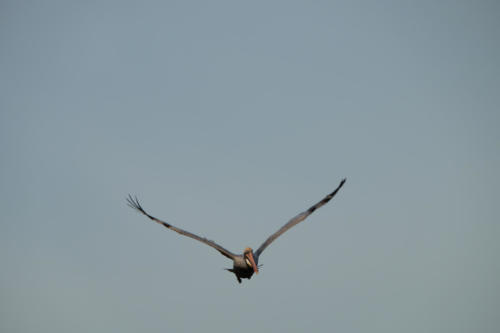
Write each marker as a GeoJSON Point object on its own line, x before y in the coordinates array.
{"type": "Point", "coordinates": [297, 219]}
{"type": "Point", "coordinates": [134, 203]}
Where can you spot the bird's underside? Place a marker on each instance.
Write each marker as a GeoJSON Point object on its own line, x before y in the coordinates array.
{"type": "Point", "coordinates": [247, 263]}
{"type": "Point", "coordinates": [241, 272]}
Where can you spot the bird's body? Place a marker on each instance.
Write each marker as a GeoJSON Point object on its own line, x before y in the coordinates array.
{"type": "Point", "coordinates": [241, 268]}
{"type": "Point", "coordinates": [245, 264]}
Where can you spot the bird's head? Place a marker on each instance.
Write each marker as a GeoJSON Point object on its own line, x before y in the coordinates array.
{"type": "Point", "coordinates": [248, 255]}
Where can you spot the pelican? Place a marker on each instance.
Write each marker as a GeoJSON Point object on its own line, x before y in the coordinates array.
{"type": "Point", "coordinates": [247, 263]}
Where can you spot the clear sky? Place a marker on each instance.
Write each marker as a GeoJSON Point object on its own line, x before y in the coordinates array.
{"type": "Point", "coordinates": [227, 118]}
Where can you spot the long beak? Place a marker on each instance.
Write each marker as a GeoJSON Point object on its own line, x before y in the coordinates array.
{"type": "Point", "coordinates": [255, 268]}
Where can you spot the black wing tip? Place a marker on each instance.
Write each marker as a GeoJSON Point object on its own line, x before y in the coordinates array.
{"type": "Point", "coordinates": [133, 202]}
{"type": "Point", "coordinates": [342, 182]}
{"type": "Point", "coordinates": [331, 195]}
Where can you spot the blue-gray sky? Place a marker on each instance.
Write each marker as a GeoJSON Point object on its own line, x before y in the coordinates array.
{"type": "Point", "coordinates": [227, 118]}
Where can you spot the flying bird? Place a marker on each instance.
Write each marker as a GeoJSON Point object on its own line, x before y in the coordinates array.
{"type": "Point", "coordinates": [247, 263]}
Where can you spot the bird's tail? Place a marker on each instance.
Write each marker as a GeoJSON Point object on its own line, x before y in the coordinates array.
{"type": "Point", "coordinates": [232, 271]}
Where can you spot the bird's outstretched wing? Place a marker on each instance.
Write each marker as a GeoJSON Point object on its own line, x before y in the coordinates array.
{"type": "Point", "coordinates": [134, 203]}
{"type": "Point", "coordinates": [297, 219]}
